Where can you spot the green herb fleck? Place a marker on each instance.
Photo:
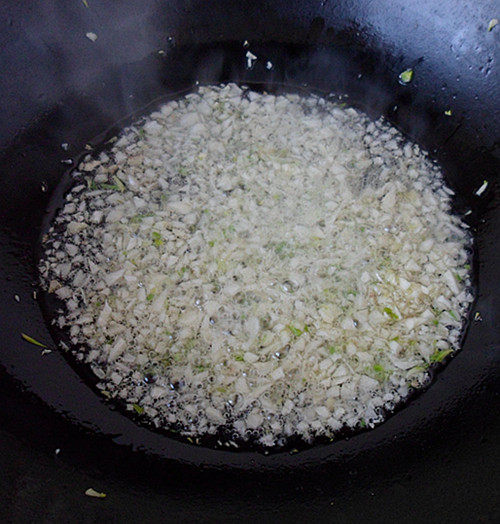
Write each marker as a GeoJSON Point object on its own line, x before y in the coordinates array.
{"type": "Point", "coordinates": [448, 112]}
{"type": "Point", "coordinates": [406, 76]}
{"type": "Point", "coordinates": [157, 239]}
{"type": "Point", "coordinates": [295, 331]}
{"type": "Point", "coordinates": [150, 297]}
{"type": "Point", "coordinates": [96, 494]}
{"type": "Point", "coordinates": [211, 243]}
{"type": "Point", "coordinates": [332, 349]}
{"type": "Point", "coordinates": [33, 341]}
{"type": "Point", "coordinates": [229, 229]}
{"type": "Point", "coordinates": [182, 270]}
{"type": "Point", "coordinates": [119, 184]}
{"type": "Point", "coordinates": [362, 423]}
{"type": "Point", "coordinates": [138, 218]}
{"type": "Point", "coordinates": [109, 187]}
{"type": "Point", "coordinates": [138, 409]}
{"type": "Point", "coordinates": [85, 3]}
{"type": "Point", "coordinates": [280, 247]}
{"type": "Point", "coordinates": [453, 315]}
{"type": "Point", "coordinates": [492, 23]}
{"type": "Point", "coordinates": [388, 311]}
{"type": "Point", "coordinates": [440, 355]}
{"type": "Point", "coordinates": [467, 266]}
{"type": "Point", "coordinates": [239, 357]}
{"type": "Point", "coordinates": [381, 373]}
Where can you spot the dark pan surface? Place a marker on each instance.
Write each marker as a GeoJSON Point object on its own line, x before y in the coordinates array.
{"type": "Point", "coordinates": [436, 458]}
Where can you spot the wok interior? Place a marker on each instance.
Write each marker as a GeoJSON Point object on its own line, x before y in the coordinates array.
{"type": "Point", "coordinates": [84, 95]}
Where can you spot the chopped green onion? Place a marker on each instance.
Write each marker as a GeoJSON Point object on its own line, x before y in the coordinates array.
{"type": "Point", "coordinates": [157, 239]}
{"type": "Point", "coordinates": [33, 341]}
{"type": "Point", "coordinates": [96, 494]}
{"type": "Point", "coordinates": [150, 297]}
{"type": "Point", "coordinates": [492, 23]}
{"type": "Point", "coordinates": [390, 312]}
{"type": "Point", "coordinates": [119, 184]}
{"type": "Point", "coordinates": [138, 409]}
{"type": "Point", "coordinates": [453, 315]}
{"type": "Point", "coordinates": [239, 357]}
{"type": "Point", "coordinates": [440, 355]}
{"type": "Point", "coordinates": [280, 247]}
{"type": "Point", "coordinates": [332, 349]}
{"type": "Point", "coordinates": [406, 76]}
{"type": "Point", "coordinates": [138, 218]}
{"type": "Point", "coordinates": [448, 112]}
{"type": "Point", "coordinates": [295, 331]}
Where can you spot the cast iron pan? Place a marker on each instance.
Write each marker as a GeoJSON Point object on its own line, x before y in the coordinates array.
{"type": "Point", "coordinates": [437, 458]}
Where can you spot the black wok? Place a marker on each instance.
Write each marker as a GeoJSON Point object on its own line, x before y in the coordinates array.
{"type": "Point", "coordinates": [437, 458]}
